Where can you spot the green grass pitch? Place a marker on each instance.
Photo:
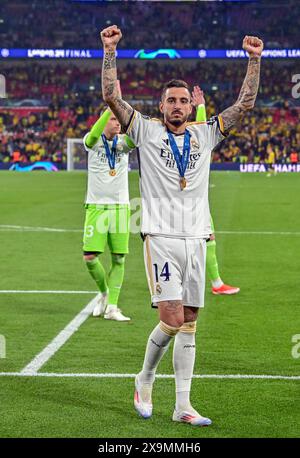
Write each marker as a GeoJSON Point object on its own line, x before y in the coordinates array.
{"type": "Point", "coordinates": [250, 333]}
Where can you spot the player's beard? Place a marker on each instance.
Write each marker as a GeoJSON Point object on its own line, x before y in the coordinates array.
{"type": "Point", "coordinates": [177, 122]}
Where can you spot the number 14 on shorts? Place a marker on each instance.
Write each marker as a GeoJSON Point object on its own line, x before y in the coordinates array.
{"type": "Point", "coordinates": [165, 272]}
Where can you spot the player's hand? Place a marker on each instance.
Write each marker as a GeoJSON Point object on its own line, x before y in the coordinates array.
{"type": "Point", "coordinates": [111, 36]}
{"type": "Point", "coordinates": [197, 97]}
{"type": "Point", "coordinates": [253, 45]}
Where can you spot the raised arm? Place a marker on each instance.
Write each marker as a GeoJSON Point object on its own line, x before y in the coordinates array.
{"type": "Point", "coordinates": [246, 100]}
{"type": "Point", "coordinates": [198, 101]}
{"type": "Point", "coordinates": [97, 129]}
{"type": "Point", "coordinates": [123, 111]}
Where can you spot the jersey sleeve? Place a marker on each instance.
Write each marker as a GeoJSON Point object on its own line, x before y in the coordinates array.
{"type": "Point", "coordinates": [201, 113]}
{"type": "Point", "coordinates": [93, 148]}
{"type": "Point", "coordinates": [138, 128]}
{"type": "Point", "coordinates": [215, 130]}
{"type": "Point", "coordinates": [127, 144]}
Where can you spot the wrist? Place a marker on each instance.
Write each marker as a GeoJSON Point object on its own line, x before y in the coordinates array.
{"type": "Point", "coordinates": [109, 48]}
{"type": "Point", "coordinates": [254, 57]}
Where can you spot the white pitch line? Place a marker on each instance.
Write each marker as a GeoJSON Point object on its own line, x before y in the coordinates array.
{"type": "Point", "coordinates": [12, 228]}
{"type": "Point", "coordinates": [19, 291]}
{"type": "Point", "coordinates": [161, 376]}
{"type": "Point", "coordinates": [59, 340]}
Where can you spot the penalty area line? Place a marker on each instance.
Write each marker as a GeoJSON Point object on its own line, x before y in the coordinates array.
{"type": "Point", "coordinates": [14, 228]}
{"type": "Point", "coordinates": [161, 376]}
{"type": "Point", "coordinates": [39, 360]}
{"type": "Point", "coordinates": [256, 233]}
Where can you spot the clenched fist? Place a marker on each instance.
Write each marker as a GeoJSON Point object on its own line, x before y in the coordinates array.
{"type": "Point", "coordinates": [111, 36]}
{"type": "Point", "coordinates": [253, 45]}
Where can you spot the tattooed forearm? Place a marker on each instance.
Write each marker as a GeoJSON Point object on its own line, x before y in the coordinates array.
{"type": "Point", "coordinates": [109, 74]}
{"type": "Point", "coordinates": [246, 99]}
{"type": "Point", "coordinates": [110, 89]}
{"type": "Point", "coordinates": [111, 95]}
{"type": "Point", "coordinates": [231, 116]}
{"type": "Point", "coordinates": [109, 60]}
{"type": "Point", "coordinates": [124, 106]}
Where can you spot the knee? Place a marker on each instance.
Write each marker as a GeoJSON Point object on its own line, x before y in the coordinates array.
{"type": "Point", "coordinates": [190, 314]}
{"type": "Point", "coordinates": [173, 322]}
{"type": "Point", "coordinates": [89, 257]}
{"type": "Point", "coordinates": [171, 313]}
{"type": "Point", "coordinates": [168, 329]}
{"type": "Point", "coordinates": [118, 259]}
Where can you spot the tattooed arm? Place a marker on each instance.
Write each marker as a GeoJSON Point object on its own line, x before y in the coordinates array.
{"type": "Point", "coordinates": [110, 89]}
{"type": "Point", "coordinates": [246, 100]}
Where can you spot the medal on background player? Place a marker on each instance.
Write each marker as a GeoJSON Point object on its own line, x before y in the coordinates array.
{"type": "Point", "coordinates": [110, 154]}
{"type": "Point", "coordinates": [182, 160]}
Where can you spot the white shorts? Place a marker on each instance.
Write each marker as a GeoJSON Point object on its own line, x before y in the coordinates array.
{"type": "Point", "coordinates": [175, 269]}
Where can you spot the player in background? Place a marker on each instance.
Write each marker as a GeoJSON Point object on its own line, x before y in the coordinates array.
{"type": "Point", "coordinates": [107, 210]}
{"type": "Point", "coordinates": [174, 160]}
{"type": "Point", "coordinates": [271, 161]}
{"type": "Point", "coordinates": [212, 267]}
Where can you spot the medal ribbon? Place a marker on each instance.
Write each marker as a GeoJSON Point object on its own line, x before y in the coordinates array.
{"type": "Point", "coordinates": [111, 155]}
{"type": "Point", "coordinates": [182, 160]}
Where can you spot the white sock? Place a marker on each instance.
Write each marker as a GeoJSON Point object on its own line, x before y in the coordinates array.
{"type": "Point", "coordinates": [217, 283]}
{"type": "Point", "coordinates": [158, 344]}
{"type": "Point", "coordinates": [183, 361]}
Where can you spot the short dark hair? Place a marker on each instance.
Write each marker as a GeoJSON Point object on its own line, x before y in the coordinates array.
{"type": "Point", "coordinates": [174, 83]}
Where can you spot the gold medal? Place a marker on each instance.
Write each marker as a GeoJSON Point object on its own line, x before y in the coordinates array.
{"type": "Point", "coordinates": [112, 172]}
{"type": "Point", "coordinates": [182, 183]}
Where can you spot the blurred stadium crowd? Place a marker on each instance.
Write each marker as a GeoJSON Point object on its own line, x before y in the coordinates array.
{"type": "Point", "coordinates": [70, 24]}
{"type": "Point", "coordinates": [66, 96]}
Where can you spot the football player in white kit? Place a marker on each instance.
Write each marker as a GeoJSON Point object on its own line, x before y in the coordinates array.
{"type": "Point", "coordinates": [174, 159]}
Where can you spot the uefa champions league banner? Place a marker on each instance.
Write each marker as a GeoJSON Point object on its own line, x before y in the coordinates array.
{"type": "Point", "coordinates": [49, 53]}
{"type": "Point", "coordinates": [279, 168]}
{"type": "Point", "coordinates": [256, 168]}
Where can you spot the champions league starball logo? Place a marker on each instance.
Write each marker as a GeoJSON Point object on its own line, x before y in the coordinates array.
{"type": "Point", "coordinates": [169, 53]}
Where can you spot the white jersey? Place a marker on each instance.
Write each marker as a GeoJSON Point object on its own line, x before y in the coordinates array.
{"type": "Point", "coordinates": [166, 209]}
{"type": "Point", "coordinates": [103, 188]}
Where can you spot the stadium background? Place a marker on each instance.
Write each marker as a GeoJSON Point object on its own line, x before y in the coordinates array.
{"type": "Point", "coordinates": [257, 223]}
{"type": "Point", "coordinates": [64, 95]}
